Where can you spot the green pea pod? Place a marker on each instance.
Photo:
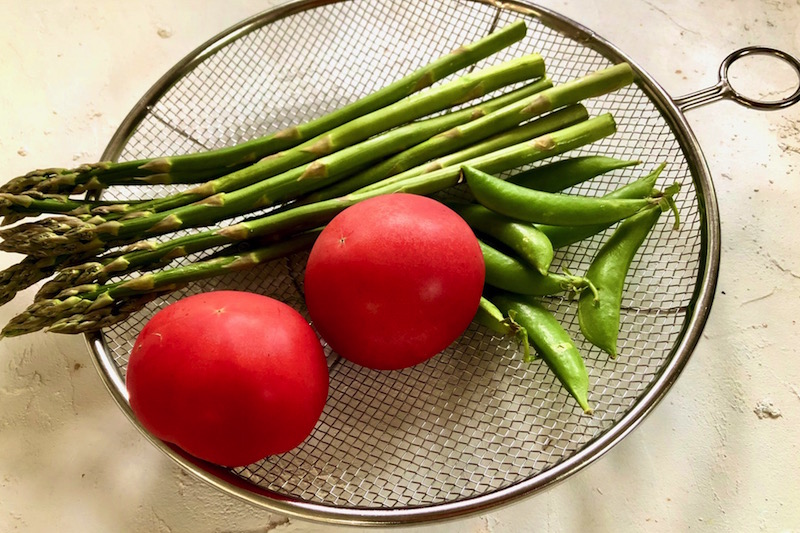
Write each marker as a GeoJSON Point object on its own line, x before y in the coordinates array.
{"type": "Point", "coordinates": [548, 208]}
{"type": "Point", "coordinates": [553, 343]}
{"type": "Point", "coordinates": [599, 315]}
{"type": "Point", "coordinates": [560, 175]}
{"type": "Point", "coordinates": [510, 274]}
{"type": "Point", "coordinates": [526, 240]}
{"type": "Point", "coordinates": [490, 316]}
{"type": "Point", "coordinates": [561, 236]}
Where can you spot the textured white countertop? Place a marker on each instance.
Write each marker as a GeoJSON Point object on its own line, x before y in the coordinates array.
{"type": "Point", "coordinates": [720, 453]}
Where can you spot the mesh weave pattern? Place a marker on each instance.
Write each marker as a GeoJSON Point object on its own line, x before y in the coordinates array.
{"type": "Point", "coordinates": [475, 418]}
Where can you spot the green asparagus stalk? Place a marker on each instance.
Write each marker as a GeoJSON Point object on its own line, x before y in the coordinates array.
{"type": "Point", "coordinates": [592, 85]}
{"type": "Point", "coordinates": [96, 272]}
{"type": "Point", "coordinates": [92, 307]}
{"type": "Point", "coordinates": [435, 99]}
{"type": "Point", "coordinates": [248, 189]}
{"type": "Point", "coordinates": [553, 122]}
{"type": "Point", "coordinates": [589, 86]}
{"type": "Point", "coordinates": [71, 276]}
{"type": "Point", "coordinates": [224, 160]}
{"type": "Point", "coordinates": [314, 215]}
{"type": "Point", "coordinates": [24, 274]}
{"type": "Point", "coordinates": [365, 180]}
{"type": "Point", "coordinates": [74, 276]}
{"type": "Point", "coordinates": [34, 203]}
{"type": "Point", "coordinates": [60, 235]}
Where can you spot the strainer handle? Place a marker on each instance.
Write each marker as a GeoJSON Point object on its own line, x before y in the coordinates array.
{"type": "Point", "coordinates": [723, 88]}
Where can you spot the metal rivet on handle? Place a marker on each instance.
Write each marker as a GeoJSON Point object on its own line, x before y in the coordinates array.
{"type": "Point", "coordinates": [723, 88]}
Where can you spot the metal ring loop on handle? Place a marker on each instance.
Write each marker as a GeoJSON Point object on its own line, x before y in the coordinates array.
{"type": "Point", "coordinates": [723, 88]}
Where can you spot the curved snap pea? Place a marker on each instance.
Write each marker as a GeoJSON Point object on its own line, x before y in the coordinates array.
{"type": "Point", "coordinates": [490, 316]}
{"type": "Point", "coordinates": [561, 236]}
{"type": "Point", "coordinates": [599, 315]}
{"type": "Point", "coordinates": [526, 240]}
{"type": "Point", "coordinates": [560, 175]}
{"type": "Point", "coordinates": [507, 273]}
{"type": "Point", "coordinates": [548, 208]}
{"type": "Point", "coordinates": [553, 343]}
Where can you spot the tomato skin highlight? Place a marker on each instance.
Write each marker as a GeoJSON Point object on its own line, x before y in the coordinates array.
{"type": "Point", "coordinates": [394, 280]}
{"type": "Point", "coordinates": [230, 377]}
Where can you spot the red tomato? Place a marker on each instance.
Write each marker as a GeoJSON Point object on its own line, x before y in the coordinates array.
{"type": "Point", "coordinates": [394, 280]}
{"type": "Point", "coordinates": [231, 377]}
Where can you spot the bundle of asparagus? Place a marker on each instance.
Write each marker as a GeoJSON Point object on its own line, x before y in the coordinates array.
{"type": "Point", "coordinates": [380, 144]}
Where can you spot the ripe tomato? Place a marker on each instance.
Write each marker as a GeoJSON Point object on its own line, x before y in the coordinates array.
{"type": "Point", "coordinates": [228, 376]}
{"type": "Point", "coordinates": [393, 280]}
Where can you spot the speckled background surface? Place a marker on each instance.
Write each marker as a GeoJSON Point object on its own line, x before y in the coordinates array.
{"type": "Point", "coordinates": [718, 454]}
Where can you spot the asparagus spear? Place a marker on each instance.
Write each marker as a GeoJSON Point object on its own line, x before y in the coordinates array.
{"type": "Point", "coordinates": [101, 270]}
{"type": "Point", "coordinates": [595, 84]}
{"type": "Point", "coordinates": [71, 310]}
{"type": "Point", "coordinates": [24, 274]}
{"type": "Point", "coordinates": [248, 189]}
{"type": "Point", "coordinates": [460, 90]}
{"type": "Point", "coordinates": [224, 160]}
{"type": "Point", "coordinates": [71, 276]}
{"type": "Point", "coordinates": [34, 203]}
{"type": "Point", "coordinates": [589, 86]}
{"type": "Point", "coordinates": [92, 307]}
{"type": "Point", "coordinates": [365, 180]}
{"type": "Point", "coordinates": [553, 122]}
{"type": "Point", "coordinates": [319, 213]}
{"type": "Point", "coordinates": [32, 270]}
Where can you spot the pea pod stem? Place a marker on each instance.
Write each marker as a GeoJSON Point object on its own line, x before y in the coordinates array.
{"type": "Point", "coordinates": [489, 316]}
{"type": "Point", "coordinates": [225, 160]}
{"type": "Point", "coordinates": [552, 342]}
{"type": "Point", "coordinates": [510, 274]}
{"type": "Point", "coordinates": [599, 316]}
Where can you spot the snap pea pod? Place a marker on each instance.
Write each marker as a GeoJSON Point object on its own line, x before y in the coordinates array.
{"type": "Point", "coordinates": [507, 273]}
{"type": "Point", "coordinates": [490, 316]}
{"type": "Point", "coordinates": [561, 236]}
{"type": "Point", "coordinates": [560, 175]}
{"type": "Point", "coordinates": [599, 315]}
{"type": "Point", "coordinates": [526, 240]}
{"type": "Point", "coordinates": [553, 343]}
{"type": "Point", "coordinates": [548, 208]}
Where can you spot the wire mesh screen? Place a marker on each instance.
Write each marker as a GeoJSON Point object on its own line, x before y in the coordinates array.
{"type": "Point", "coordinates": [475, 418]}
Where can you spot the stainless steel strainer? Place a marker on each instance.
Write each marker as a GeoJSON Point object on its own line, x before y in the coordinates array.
{"type": "Point", "coordinates": [475, 426]}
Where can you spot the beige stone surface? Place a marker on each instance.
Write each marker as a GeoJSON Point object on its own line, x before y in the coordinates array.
{"type": "Point", "coordinates": [718, 454]}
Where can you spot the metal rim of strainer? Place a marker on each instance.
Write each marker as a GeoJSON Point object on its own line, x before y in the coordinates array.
{"type": "Point", "coordinates": [703, 296]}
